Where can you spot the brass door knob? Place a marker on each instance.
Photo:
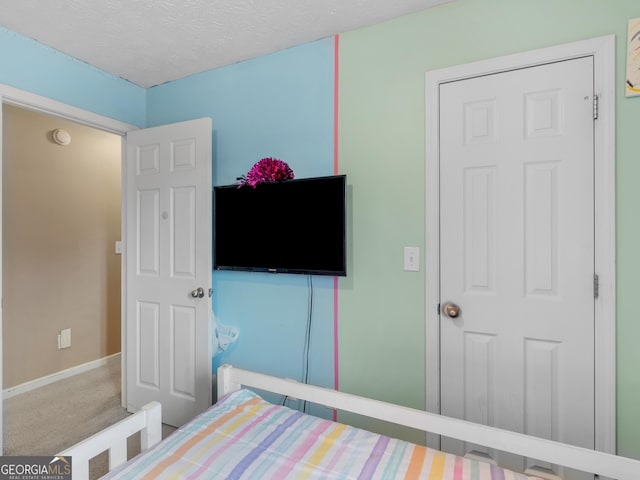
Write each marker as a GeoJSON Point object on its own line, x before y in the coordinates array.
{"type": "Point", "coordinates": [451, 310]}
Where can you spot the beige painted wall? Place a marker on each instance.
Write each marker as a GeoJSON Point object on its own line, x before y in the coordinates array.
{"type": "Point", "coordinates": [61, 218]}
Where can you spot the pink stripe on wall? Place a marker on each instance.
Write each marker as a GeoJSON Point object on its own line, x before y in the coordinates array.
{"type": "Point", "coordinates": [336, 382]}
{"type": "Point", "coordinates": [335, 103]}
{"type": "Point", "coordinates": [335, 333]}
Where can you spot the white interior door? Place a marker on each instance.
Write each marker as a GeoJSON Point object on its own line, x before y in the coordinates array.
{"type": "Point", "coordinates": [517, 255]}
{"type": "Point", "coordinates": [168, 261]}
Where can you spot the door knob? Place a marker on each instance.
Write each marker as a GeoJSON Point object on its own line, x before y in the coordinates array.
{"type": "Point", "coordinates": [198, 293]}
{"type": "Point", "coordinates": [451, 310]}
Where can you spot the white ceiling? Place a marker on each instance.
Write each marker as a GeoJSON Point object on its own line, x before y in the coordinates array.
{"type": "Point", "coordinates": [150, 42]}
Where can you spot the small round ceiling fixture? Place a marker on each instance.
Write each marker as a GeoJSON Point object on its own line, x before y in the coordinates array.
{"type": "Point", "coordinates": [61, 137]}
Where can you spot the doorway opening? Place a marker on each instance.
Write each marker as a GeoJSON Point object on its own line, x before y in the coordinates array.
{"type": "Point", "coordinates": [61, 271]}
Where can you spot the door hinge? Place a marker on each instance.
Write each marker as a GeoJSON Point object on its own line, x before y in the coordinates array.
{"type": "Point", "coordinates": [596, 285]}
{"type": "Point", "coordinates": [595, 106]}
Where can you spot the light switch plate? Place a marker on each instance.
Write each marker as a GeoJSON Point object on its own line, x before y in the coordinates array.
{"type": "Point", "coordinates": [411, 259]}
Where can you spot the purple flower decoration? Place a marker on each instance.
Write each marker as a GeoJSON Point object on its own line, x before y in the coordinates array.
{"type": "Point", "coordinates": [265, 171]}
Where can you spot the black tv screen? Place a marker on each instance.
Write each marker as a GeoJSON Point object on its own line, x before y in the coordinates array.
{"type": "Point", "coordinates": [295, 226]}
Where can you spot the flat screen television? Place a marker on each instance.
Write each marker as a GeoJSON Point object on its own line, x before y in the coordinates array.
{"type": "Point", "coordinates": [294, 226]}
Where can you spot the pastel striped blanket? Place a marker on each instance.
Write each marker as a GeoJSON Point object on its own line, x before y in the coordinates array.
{"type": "Point", "coordinates": [245, 437]}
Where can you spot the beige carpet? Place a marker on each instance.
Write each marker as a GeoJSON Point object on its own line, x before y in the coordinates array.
{"type": "Point", "coordinates": [49, 419]}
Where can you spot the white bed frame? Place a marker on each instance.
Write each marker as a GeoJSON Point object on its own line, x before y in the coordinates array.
{"type": "Point", "coordinates": [148, 422]}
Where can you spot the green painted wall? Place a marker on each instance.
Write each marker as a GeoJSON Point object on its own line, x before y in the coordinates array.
{"type": "Point", "coordinates": [382, 150]}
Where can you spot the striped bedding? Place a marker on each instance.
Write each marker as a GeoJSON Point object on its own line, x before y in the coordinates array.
{"type": "Point", "coordinates": [245, 437]}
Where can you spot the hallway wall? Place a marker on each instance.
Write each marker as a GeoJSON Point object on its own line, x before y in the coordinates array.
{"type": "Point", "coordinates": [61, 218]}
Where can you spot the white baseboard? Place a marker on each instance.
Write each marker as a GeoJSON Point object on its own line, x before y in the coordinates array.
{"type": "Point", "coordinates": [54, 377]}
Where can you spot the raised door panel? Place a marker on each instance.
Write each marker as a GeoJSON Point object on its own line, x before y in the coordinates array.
{"type": "Point", "coordinates": [183, 232]}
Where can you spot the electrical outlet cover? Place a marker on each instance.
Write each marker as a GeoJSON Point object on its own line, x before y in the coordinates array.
{"type": "Point", "coordinates": [65, 338]}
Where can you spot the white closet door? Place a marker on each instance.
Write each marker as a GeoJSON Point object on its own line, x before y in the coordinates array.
{"type": "Point", "coordinates": [517, 255]}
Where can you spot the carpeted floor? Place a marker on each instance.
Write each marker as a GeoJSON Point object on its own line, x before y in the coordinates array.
{"type": "Point", "coordinates": [49, 419]}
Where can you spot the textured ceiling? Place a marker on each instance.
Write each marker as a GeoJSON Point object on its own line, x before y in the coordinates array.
{"type": "Point", "coordinates": [150, 42]}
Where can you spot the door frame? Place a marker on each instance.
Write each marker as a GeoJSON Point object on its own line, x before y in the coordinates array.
{"type": "Point", "coordinates": [603, 51]}
{"type": "Point", "coordinates": [31, 101]}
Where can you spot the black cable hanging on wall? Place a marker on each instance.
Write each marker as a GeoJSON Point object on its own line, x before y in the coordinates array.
{"type": "Point", "coordinates": [307, 338]}
{"type": "Point", "coordinates": [307, 341]}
